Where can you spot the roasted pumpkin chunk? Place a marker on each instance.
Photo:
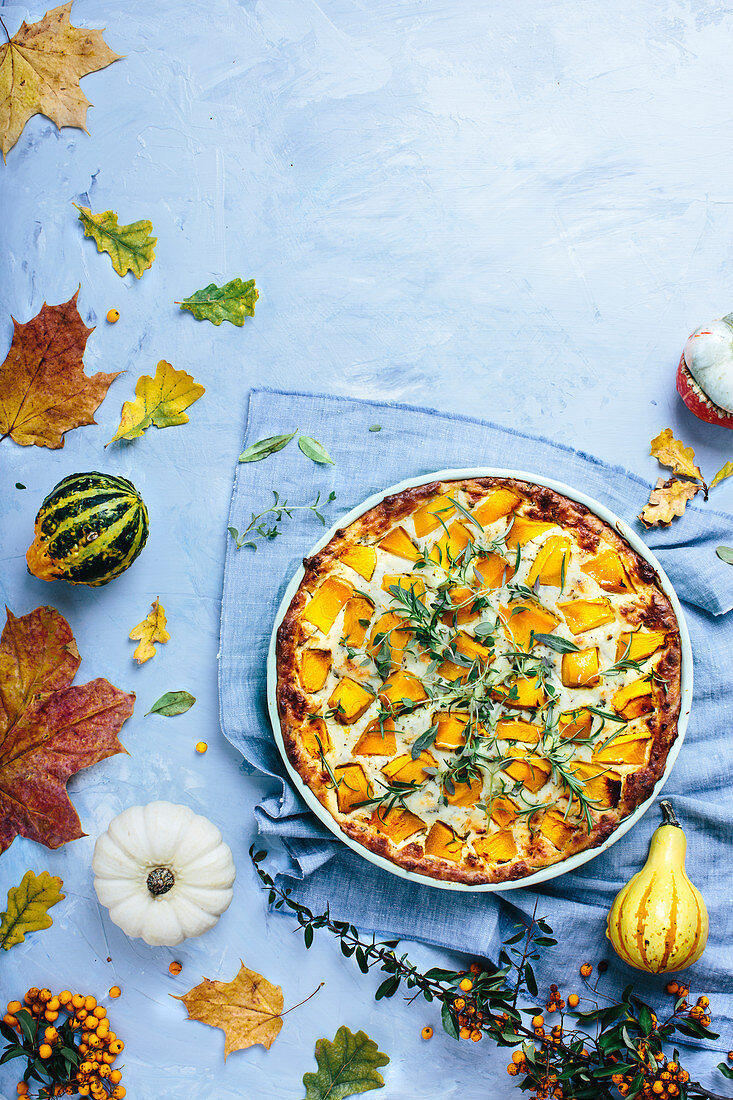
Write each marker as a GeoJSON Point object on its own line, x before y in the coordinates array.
{"type": "Point", "coordinates": [523, 618]}
{"type": "Point", "coordinates": [523, 530]}
{"type": "Point", "coordinates": [464, 794]}
{"type": "Point", "coordinates": [496, 847]}
{"type": "Point", "coordinates": [472, 649]}
{"type": "Point", "coordinates": [314, 666]}
{"type": "Point", "coordinates": [608, 571]}
{"type": "Point", "coordinates": [515, 729]}
{"type": "Point", "coordinates": [525, 692]}
{"type": "Point", "coordinates": [493, 571]}
{"type": "Point", "coordinates": [634, 699]}
{"type": "Point", "coordinates": [432, 515]}
{"type": "Point", "coordinates": [402, 685]}
{"type": "Point", "coordinates": [399, 543]}
{"type": "Point", "coordinates": [461, 610]}
{"type": "Point", "coordinates": [357, 615]}
{"type": "Point", "coordinates": [406, 770]}
{"type": "Point", "coordinates": [532, 771]}
{"type": "Point", "coordinates": [601, 785]}
{"type": "Point", "coordinates": [632, 749]}
{"type": "Point", "coordinates": [388, 631]}
{"type": "Point", "coordinates": [451, 728]}
{"type": "Point", "coordinates": [349, 700]}
{"type": "Point", "coordinates": [499, 503]}
{"type": "Point", "coordinates": [326, 603]}
{"type": "Point", "coordinates": [582, 615]}
{"type": "Point", "coordinates": [449, 670]}
{"type": "Point", "coordinates": [575, 724]}
{"type": "Point", "coordinates": [451, 544]}
{"type": "Point", "coordinates": [551, 563]}
{"type": "Point", "coordinates": [398, 823]}
{"type": "Point", "coordinates": [443, 843]}
{"type": "Point", "coordinates": [637, 645]}
{"type": "Point", "coordinates": [353, 786]}
{"type": "Point", "coordinates": [556, 829]}
{"type": "Point", "coordinates": [378, 739]}
{"type": "Point", "coordinates": [407, 581]}
{"type": "Point", "coordinates": [362, 559]}
{"type": "Point", "coordinates": [315, 737]}
{"type": "Point", "coordinates": [503, 811]}
{"type": "Point", "coordinates": [580, 669]}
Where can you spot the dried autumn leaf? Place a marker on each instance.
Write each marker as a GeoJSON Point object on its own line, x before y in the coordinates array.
{"type": "Point", "coordinates": [667, 500]}
{"type": "Point", "coordinates": [346, 1066]}
{"type": "Point", "coordinates": [151, 630]}
{"type": "Point", "coordinates": [130, 247]}
{"type": "Point", "coordinates": [159, 401]}
{"type": "Point", "coordinates": [40, 69]}
{"type": "Point", "coordinates": [722, 474]}
{"type": "Point", "coordinates": [672, 452]}
{"type": "Point", "coordinates": [248, 1009]}
{"type": "Point", "coordinates": [232, 302]}
{"type": "Point", "coordinates": [28, 906]}
{"type": "Point", "coordinates": [44, 391]}
{"type": "Point", "coordinates": [49, 730]}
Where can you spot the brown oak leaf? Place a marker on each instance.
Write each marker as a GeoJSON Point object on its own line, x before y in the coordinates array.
{"type": "Point", "coordinates": [40, 69]}
{"type": "Point", "coordinates": [44, 391]}
{"type": "Point", "coordinates": [49, 730]}
{"type": "Point", "coordinates": [248, 1009]}
{"type": "Point", "coordinates": [667, 500]}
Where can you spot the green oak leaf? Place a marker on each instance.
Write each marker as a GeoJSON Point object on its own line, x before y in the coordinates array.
{"type": "Point", "coordinates": [172, 703]}
{"type": "Point", "coordinates": [28, 906]}
{"type": "Point", "coordinates": [232, 302]}
{"type": "Point", "coordinates": [130, 247]}
{"type": "Point", "coordinates": [346, 1065]}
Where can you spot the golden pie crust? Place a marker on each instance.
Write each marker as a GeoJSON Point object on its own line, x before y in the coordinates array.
{"type": "Point", "coordinates": [519, 639]}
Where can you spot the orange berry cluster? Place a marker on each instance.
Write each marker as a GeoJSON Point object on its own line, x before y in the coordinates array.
{"type": "Point", "coordinates": [470, 1017]}
{"type": "Point", "coordinates": [555, 1002]}
{"type": "Point", "coordinates": [98, 1047]}
{"type": "Point", "coordinates": [662, 1079]}
{"type": "Point", "coordinates": [549, 1088]}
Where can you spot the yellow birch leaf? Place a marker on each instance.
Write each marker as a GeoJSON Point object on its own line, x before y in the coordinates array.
{"type": "Point", "coordinates": [152, 629]}
{"type": "Point", "coordinates": [248, 1009]}
{"type": "Point", "coordinates": [28, 906]}
{"type": "Point", "coordinates": [667, 500]}
{"type": "Point", "coordinates": [159, 401]}
{"type": "Point", "coordinates": [672, 452]}
{"type": "Point", "coordinates": [722, 474]}
{"type": "Point", "coordinates": [40, 69]}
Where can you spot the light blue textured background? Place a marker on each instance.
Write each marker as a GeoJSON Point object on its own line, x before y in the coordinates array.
{"type": "Point", "coordinates": [511, 209]}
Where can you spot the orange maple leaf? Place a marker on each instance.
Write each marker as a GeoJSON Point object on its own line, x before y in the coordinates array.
{"type": "Point", "coordinates": [44, 391]}
{"type": "Point", "coordinates": [49, 730]}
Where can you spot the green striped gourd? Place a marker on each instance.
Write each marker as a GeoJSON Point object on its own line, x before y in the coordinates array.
{"type": "Point", "coordinates": [89, 529]}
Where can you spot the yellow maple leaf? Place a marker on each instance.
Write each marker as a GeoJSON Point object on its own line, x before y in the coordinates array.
{"type": "Point", "coordinates": [672, 452]}
{"type": "Point", "coordinates": [40, 69]}
{"type": "Point", "coordinates": [667, 500]}
{"type": "Point", "coordinates": [248, 1009]}
{"type": "Point", "coordinates": [159, 401]}
{"type": "Point", "coordinates": [28, 906]}
{"type": "Point", "coordinates": [152, 629]}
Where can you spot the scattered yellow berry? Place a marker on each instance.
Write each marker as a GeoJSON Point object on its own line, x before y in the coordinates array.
{"type": "Point", "coordinates": [573, 1000]}
{"type": "Point", "coordinates": [115, 992]}
{"type": "Point", "coordinates": [21, 1088]}
{"type": "Point", "coordinates": [465, 984]}
{"type": "Point", "coordinates": [44, 1051]}
{"type": "Point", "coordinates": [113, 316]}
{"type": "Point", "coordinates": [427, 1033]}
{"type": "Point", "coordinates": [201, 746]}
{"type": "Point", "coordinates": [175, 968]}
{"type": "Point", "coordinates": [537, 1021]}
{"type": "Point", "coordinates": [586, 970]}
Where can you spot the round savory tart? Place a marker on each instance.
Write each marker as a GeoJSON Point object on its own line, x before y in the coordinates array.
{"type": "Point", "coordinates": [479, 678]}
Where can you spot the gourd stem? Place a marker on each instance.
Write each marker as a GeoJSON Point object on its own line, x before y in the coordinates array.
{"type": "Point", "coordinates": [668, 815]}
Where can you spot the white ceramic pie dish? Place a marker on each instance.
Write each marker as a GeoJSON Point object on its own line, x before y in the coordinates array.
{"type": "Point", "coordinates": [556, 869]}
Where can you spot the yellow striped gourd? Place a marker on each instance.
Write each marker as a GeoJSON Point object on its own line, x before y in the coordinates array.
{"type": "Point", "coordinates": [659, 922]}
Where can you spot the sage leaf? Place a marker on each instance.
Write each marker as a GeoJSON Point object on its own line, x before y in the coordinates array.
{"type": "Point", "coordinates": [376, 428]}
{"type": "Point", "coordinates": [265, 447]}
{"type": "Point", "coordinates": [314, 450]}
{"type": "Point", "coordinates": [560, 645]}
{"type": "Point", "coordinates": [725, 553]}
{"type": "Point", "coordinates": [172, 703]}
{"type": "Point", "coordinates": [347, 1065]}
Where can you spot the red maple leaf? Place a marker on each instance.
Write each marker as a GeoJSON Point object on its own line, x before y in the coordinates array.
{"type": "Point", "coordinates": [49, 730]}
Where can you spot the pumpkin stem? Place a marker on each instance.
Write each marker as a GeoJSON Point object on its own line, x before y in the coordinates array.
{"type": "Point", "coordinates": [668, 815]}
{"type": "Point", "coordinates": [160, 881]}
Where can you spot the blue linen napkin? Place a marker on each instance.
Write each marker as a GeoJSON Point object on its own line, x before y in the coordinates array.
{"type": "Point", "coordinates": [413, 442]}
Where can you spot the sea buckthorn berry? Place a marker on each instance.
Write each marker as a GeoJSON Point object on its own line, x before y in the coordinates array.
{"type": "Point", "coordinates": [104, 1070]}
{"type": "Point", "coordinates": [65, 997]}
{"type": "Point", "coordinates": [115, 992]}
{"type": "Point", "coordinates": [673, 1090]}
{"type": "Point", "coordinates": [465, 1033]}
{"type": "Point", "coordinates": [658, 1087]}
{"type": "Point", "coordinates": [175, 968]}
{"type": "Point", "coordinates": [90, 1003]}
{"type": "Point", "coordinates": [684, 990]}
{"type": "Point", "coordinates": [94, 1041]}
{"type": "Point", "coordinates": [703, 1001]}
{"type": "Point", "coordinates": [10, 1020]}
{"type": "Point", "coordinates": [44, 995]}
{"type": "Point", "coordinates": [115, 1076]}
{"type": "Point", "coordinates": [673, 988]}
{"type": "Point", "coordinates": [476, 1036]}
{"type": "Point", "coordinates": [113, 316]}
{"type": "Point", "coordinates": [52, 1017]}
{"type": "Point", "coordinates": [83, 1090]}
{"type": "Point", "coordinates": [586, 970]}
{"type": "Point", "coordinates": [465, 984]}
{"type": "Point", "coordinates": [13, 1007]}
{"type": "Point", "coordinates": [77, 1000]}
{"type": "Point", "coordinates": [427, 1033]}
{"type": "Point", "coordinates": [53, 1005]}
{"type": "Point", "coordinates": [44, 1051]}
{"type": "Point", "coordinates": [459, 1003]}
{"type": "Point", "coordinates": [617, 1078]}
{"type": "Point", "coordinates": [50, 1035]}
{"type": "Point", "coordinates": [116, 1047]}
{"type": "Point", "coordinates": [32, 994]}
{"type": "Point", "coordinates": [573, 1000]}
{"type": "Point", "coordinates": [201, 746]}
{"type": "Point", "coordinates": [100, 1012]}
{"type": "Point", "coordinates": [705, 1021]}
{"type": "Point", "coordinates": [537, 1021]}
{"type": "Point", "coordinates": [21, 1088]}
{"type": "Point", "coordinates": [512, 1069]}
{"type": "Point", "coordinates": [475, 968]}
{"type": "Point", "coordinates": [118, 1092]}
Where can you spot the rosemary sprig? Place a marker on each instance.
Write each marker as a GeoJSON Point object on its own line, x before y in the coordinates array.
{"type": "Point", "coordinates": [259, 528]}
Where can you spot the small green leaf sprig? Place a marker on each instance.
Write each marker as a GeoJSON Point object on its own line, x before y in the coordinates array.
{"type": "Point", "coordinates": [606, 1051]}
{"type": "Point", "coordinates": [310, 447]}
{"type": "Point", "coordinates": [260, 528]}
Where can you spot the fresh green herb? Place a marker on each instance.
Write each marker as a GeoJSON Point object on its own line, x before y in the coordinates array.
{"type": "Point", "coordinates": [172, 703]}
{"type": "Point", "coordinates": [424, 741]}
{"type": "Point", "coordinates": [314, 450]}
{"type": "Point", "coordinates": [560, 645]}
{"type": "Point", "coordinates": [725, 553]}
{"type": "Point", "coordinates": [265, 447]}
{"type": "Point", "coordinates": [376, 428]}
{"type": "Point", "coordinates": [393, 794]}
{"type": "Point", "coordinates": [257, 528]}
{"type": "Point", "coordinates": [464, 512]}
{"type": "Point", "coordinates": [20, 485]}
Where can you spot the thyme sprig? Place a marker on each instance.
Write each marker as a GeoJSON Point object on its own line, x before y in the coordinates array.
{"type": "Point", "coordinates": [260, 528]}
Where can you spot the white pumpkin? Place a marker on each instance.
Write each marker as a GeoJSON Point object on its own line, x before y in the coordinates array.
{"type": "Point", "coordinates": [164, 873]}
